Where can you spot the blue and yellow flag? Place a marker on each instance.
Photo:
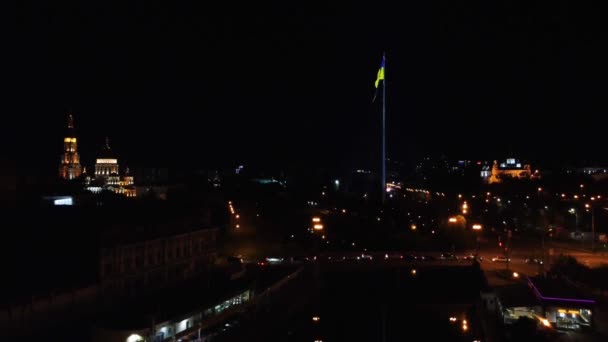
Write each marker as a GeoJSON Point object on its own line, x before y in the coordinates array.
{"type": "Point", "coordinates": [380, 74]}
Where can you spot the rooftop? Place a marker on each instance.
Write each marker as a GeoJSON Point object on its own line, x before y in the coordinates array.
{"type": "Point", "coordinates": [196, 294]}
{"type": "Point", "coordinates": [556, 289]}
{"type": "Point", "coordinates": [516, 295]}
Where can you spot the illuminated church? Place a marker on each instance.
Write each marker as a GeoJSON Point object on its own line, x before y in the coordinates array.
{"type": "Point", "coordinates": [511, 168]}
{"type": "Point", "coordinates": [107, 172]}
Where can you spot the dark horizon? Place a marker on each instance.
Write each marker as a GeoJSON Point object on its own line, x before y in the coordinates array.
{"type": "Point", "coordinates": [292, 84]}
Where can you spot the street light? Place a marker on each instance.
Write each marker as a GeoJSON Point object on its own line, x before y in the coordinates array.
{"type": "Point", "coordinates": [575, 213]}
{"type": "Point", "coordinates": [477, 227]}
{"type": "Point", "coordinates": [593, 225]}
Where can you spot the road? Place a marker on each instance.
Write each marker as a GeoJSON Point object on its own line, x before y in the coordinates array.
{"type": "Point", "coordinates": [521, 248]}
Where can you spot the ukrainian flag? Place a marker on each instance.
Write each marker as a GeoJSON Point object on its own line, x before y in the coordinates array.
{"type": "Point", "coordinates": [380, 73]}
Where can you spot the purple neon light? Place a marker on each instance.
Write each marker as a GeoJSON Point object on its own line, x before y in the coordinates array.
{"type": "Point", "coordinates": [588, 301]}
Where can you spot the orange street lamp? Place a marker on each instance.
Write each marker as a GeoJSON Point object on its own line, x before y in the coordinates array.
{"type": "Point", "coordinates": [452, 220]}
{"type": "Point", "coordinates": [476, 227]}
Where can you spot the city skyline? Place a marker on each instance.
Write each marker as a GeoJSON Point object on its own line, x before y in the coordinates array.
{"type": "Point", "coordinates": [275, 83]}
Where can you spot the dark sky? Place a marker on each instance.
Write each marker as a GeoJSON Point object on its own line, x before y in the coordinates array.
{"type": "Point", "coordinates": [292, 82]}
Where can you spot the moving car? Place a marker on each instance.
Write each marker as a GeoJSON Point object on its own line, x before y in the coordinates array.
{"type": "Point", "coordinates": [448, 256]}
{"type": "Point", "coordinates": [534, 261]}
{"type": "Point", "coordinates": [500, 259]}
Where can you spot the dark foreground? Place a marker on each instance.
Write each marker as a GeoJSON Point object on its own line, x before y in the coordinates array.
{"type": "Point", "coordinates": [343, 303]}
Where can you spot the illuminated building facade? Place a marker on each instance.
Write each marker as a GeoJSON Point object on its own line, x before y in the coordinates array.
{"type": "Point", "coordinates": [70, 167]}
{"type": "Point", "coordinates": [155, 263]}
{"type": "Point", "coordinates": [107, 174]}
{"type": "Point", "coordinates": [106, 166]}
{"type": "Point", "coordinates": [512, 169]}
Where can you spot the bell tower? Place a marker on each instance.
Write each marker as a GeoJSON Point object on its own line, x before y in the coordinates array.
{"type": "Point", "coordinates": [70, 167]}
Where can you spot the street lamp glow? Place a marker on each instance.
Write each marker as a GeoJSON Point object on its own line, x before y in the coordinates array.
{"type": "Point", "coordinates": [318, 226]}
{"type": "Point", "coordinates": [452, 220]}
{"type": "Point", "coordinates": [544, 321]}
{"type": "Point", "coordinates": [515, 275]}
{"type": "Point", "coordinates": [135, 338]}
{"type": "Point", "coordinates": [316, 219]}
{"type": "Point", "coordinates": [476, 227]}
{"type": "Point", "coordinates": [413, 227]}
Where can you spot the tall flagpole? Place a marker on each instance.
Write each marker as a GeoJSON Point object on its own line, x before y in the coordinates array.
{"type": "Point", "coordinates": [384, 130]}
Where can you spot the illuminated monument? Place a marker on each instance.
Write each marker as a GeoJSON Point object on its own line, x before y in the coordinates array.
{"type": "Point", "coordinates": [512, 169]}
{"type": "Point", "coordinates": [106, 166]}
{"type": "Point", "coordinates": [107, 174]}
{"type": "Point", "coordinates": [70, 167]}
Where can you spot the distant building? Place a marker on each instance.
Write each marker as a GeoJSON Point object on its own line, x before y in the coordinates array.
{"type": "Point", "coordinates": [126, 253]}
{"type": "Point", "coordinates": [154, 263]}
{"type": "Point", "coordinates": [70, 167]}
{"type": "Point", "coordinates": [597, 173]}
{"type": "Point", "coordinates": [107, 175]}
{"type": "Point", "coordinates": [511, 168]}
{"type": "Point", "coordinates": [106, 166]}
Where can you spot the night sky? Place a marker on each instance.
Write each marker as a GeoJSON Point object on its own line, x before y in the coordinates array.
{"type": "Point", "coordinates": [292, 83]}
